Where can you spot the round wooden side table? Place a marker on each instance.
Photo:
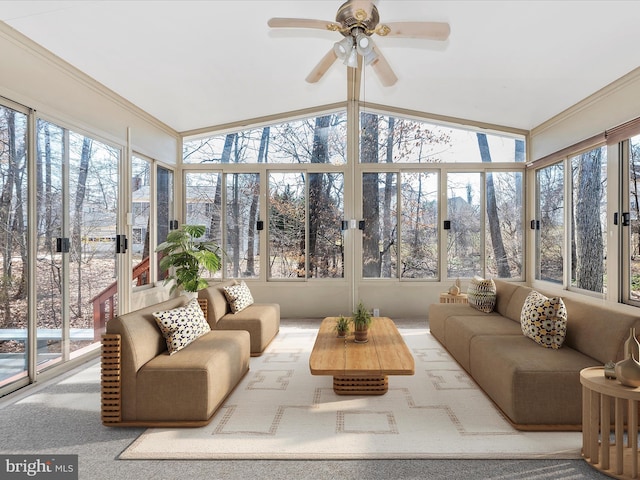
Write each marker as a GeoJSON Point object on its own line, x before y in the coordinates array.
{"type": "Point", "coordinates": [448, 298]}
{"type": "Point", "coordinates": [604, 399]}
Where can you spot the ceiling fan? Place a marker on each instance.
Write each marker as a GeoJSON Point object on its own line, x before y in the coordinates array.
{"type": "Point", "coordinates": [357, 21]}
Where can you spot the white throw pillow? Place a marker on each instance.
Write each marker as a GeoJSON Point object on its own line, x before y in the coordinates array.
{"type": "Point", "coordinates": [181, 326]}
{"type": "Point", "coordinates": [481, 294]}
{"type": "Point", "coordinates": [239, 296]}
{"type": "Point", "coordinates": [544, 320]}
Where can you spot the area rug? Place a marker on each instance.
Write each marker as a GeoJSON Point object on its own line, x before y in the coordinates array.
{"type": "Point", "coordinates": [281, 411]}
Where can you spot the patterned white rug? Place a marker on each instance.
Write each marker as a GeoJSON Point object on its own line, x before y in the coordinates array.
{"type": "Point", "coordinates": [281, 411]}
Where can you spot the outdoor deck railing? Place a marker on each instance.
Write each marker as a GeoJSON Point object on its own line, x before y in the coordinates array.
{"type": "Point", "coordinates": [104, 304]}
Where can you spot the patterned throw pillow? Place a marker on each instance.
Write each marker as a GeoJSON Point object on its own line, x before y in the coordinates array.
{"type": "Point", "coordinates": [544, 320]}
{"type": "Point", "coordinates": [238, 296]}
{"type": "Point", "coordinates": [181, 326]}
{"type": "Point", "coordinates": [482, 294]}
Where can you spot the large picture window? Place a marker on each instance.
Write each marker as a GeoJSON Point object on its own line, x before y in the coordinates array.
{"type": "Point", "coordinates": [400, 172]}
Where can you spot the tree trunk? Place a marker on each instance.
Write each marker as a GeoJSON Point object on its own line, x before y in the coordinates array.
{"type": "Point", "coordinates": [589, 241]}
{"type": "Point", "coordinates": [76, 239]}
{"type": "Point", "coordinates": [388, 232]}
{"type": "Point", "coordinates": [234, 234]}
{"type": "Point", "coordinates": [6, 200]}
{"type": "Point", "coordinates": [216, 221]}
{"type": "Point", "coordinates": [318, 203]}
{"type": "Point", "coordinates": [371, 266]}
{"type": "Point", "coordinates": [499, 251]}
{"type": "Point", "coordinates": [20, 230]}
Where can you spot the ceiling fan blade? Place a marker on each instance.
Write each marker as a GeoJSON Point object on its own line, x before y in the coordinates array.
{"type": "Point", "coordinates": [321, 68]}
{"type": "Point", "coordinates": [383, 69]}
{"type": "Point", "coordinates": [303, 23]}
{"type": "Point", "coordinates": [430, 30]}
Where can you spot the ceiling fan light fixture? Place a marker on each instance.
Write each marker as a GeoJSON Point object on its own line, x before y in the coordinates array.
{"type": "Point", "coordinates": [370, 57]}
{"type": "Point", "coordinates": [364, 44]}
{"type": "Point", "coordinates": [352, 58]}
{"type": "Point", "coordinates": [343, 48]}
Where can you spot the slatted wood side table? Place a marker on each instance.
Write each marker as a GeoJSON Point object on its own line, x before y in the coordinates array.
{"type": "Point", "coordinates": [617, 458]}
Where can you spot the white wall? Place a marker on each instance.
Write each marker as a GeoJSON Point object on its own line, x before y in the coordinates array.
{"type": "Point", "coordinates": [613, 105]}
{"type": "Point", "coordinates": [34, 77]}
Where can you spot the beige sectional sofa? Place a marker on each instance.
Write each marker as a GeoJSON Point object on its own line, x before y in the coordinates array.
{"type": "Point", "coordinates": [142, 385]}
{"type": "Point", "coordinates": [536, 388]}
{"type": "Point", "coordinates": [261, 320]}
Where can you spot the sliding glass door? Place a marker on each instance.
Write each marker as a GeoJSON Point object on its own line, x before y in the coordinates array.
{"type": "Point", "coordinates": [14, 344]}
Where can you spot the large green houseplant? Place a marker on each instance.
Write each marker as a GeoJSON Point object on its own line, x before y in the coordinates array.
{"type": "Point", "coordinates": [186, 258]}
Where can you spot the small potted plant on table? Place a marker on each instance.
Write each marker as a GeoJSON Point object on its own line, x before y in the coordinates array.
{"type": "Point", "coordinates": [342, 326]}
{"type": "Point", "coordinates": [361, 323]}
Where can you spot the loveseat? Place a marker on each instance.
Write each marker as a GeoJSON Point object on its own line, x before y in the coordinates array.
{"type": "Point", "coordinates": [143, 385]}
{"type": "Point", "coordinates": [261, 320]}
{"type": "Point", "coordinates": [537, 388]}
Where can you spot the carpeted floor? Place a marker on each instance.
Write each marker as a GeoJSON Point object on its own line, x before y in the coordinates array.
{"type": "Point", "coordinates": [62, 417]}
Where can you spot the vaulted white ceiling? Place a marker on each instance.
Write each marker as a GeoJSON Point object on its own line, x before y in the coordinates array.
{"type": "Point", "coordinates": [195, 64]}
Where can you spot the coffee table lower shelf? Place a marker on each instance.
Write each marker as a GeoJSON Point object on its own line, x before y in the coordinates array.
{"type": "Point", "coordinates": [360, 385]}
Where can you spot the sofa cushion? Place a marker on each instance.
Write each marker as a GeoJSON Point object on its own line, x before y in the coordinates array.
{"type": "Point", "coordinates": [191, 385]}
{"type": "Point", "coordinates": [544, 320]}
{"type": "Point", "coordinates": [440, 312]}
{"type": "Point", "coordinates": [261, 320]}
{"type": "Point", "coordinates": [510, 297]}
{"type": "Point", "coordinates": [482, 294]}
{"type": "Point", "coordinates": [239, 296]}
{"type": "Point", "coordinates": [531, 385]}
{"type": "Point", "coordinates": [597, 329]}
{"type": "Point", "coordinates": [460, 329]}
{"type": "Point", "coordinates": [181, 326]}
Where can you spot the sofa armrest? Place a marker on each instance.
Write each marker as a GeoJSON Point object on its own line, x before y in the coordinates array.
{"type": "Point", "coordinates": [110, 391]}
{"type": "Point", "coordinates": [204, 306]}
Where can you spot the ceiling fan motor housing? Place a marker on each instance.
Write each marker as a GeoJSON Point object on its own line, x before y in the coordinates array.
{"type": "Point", "coordinates": [351, 15]}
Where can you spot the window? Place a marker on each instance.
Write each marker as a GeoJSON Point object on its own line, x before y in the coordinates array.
{"type": "Point", "coordinates": [419, 225]}
{"type": "Point", "coordinates": [292, 142]}
{"type": "Point", "coordinates": [13, 229]}
{"type": "Point", "coordinates": [387, 139]}
{"type": "Point", "coordinates": [164, 208]}
{"type": "Point", "coordinates": [203, 196]}
{"type": "Point", "coordinates": [588, 220]}
{"type": "Point", "coordinates": [141, 202]}
{"type": "Point", "coordinates": [550, 223]}
{"type": "Point", "coordinates": [504, 233]}
{"type": "Point", "coordinates": [380, 235]}
{"type": "Point", "coordinates": [633, 234]}
{"type": "Point", "coordinates": [464, 212]}
{"type": "Point", "coordinates": [242, 243]}
{"type": "Point", "coordinates": [305, 244]}
{"type": "Point", "coordinates": [404, 168]}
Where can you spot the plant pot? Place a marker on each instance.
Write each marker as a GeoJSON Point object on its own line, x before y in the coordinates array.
{"type": "Point", "coordinates": [361, 335]}
{"type": "Point", "coordinates": [341, 333]}
{"type": "Point", "coordinates": [189, 295]}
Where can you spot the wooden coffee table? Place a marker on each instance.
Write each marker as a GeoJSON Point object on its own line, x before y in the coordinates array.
{"type": "Point", "coordinates": [361, 368]}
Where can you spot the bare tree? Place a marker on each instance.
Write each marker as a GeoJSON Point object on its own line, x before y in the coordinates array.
{"type": "Point", "coordinates": [76, 235]}
{"type": "Point", "coordinates": [589, 268]}
{"type": "Point", "coordinates": [492, 213]}
{"type": "Point", "coordinates": [370, 204]}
